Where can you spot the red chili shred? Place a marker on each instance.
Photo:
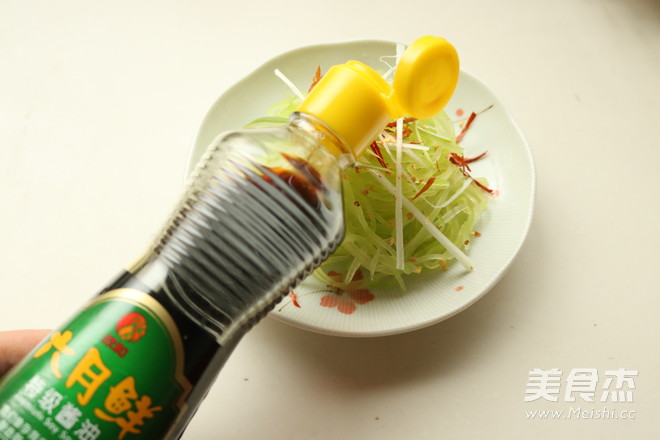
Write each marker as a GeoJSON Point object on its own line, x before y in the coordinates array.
{"type": "Point", "coordinates": [475, 158]}
{"type": "Point", "coordinates": [294, 299]}
{"type": "Point", "coordinates": [462, 163]}
{"type": "Point", "coordinates": [376, 149]}
{"type": "Point", "coordinates": [405, 121]}
{"type": "Point", "coordinates": [469, 122]}
{"type": "Point", "coordinates": [467, 125]}
{"type": "Point", "coordinates": [426, 186]}
{"type": "Point", "coordinates": [316, 79]}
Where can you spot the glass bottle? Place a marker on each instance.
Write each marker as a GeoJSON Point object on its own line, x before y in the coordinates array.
{"type": "Point", "coordinates": [262, 210]}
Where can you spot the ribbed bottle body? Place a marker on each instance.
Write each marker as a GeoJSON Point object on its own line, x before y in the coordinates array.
{"type": "Point", "coordinates": [263, 209]}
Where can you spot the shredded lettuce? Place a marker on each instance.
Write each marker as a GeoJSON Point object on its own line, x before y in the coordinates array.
{"type": "Point", "coordinates": [436, 214]}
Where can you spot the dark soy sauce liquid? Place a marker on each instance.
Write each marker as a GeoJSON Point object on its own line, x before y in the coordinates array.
{"type": "Point", "coordinates": [234, 249]}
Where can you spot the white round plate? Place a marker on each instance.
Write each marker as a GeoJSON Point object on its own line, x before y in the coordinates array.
{"type": "Point", "coordinates": [431, 297]}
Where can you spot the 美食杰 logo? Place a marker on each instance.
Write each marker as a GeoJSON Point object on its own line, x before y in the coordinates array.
{"type": "Point", "coordinates": [592, 394]}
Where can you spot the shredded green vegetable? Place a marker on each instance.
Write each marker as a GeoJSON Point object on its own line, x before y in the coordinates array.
{"type": "Point", "coordinates": [439, 199]}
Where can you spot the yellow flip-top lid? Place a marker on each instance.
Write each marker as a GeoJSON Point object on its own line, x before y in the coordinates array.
{"type": "Point", "coordinates": [357, 103]}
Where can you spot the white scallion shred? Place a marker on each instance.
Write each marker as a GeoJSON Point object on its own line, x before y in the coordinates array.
{"type": "Point", "coordinates": [453, 196]}
{"type": "Point", "coordinates": [451, 247]}
{"type": "Point", "coordinates": [453, 213]}
{"type": "Point", "coordinates": [398, 196]}
{"type": "Point", "coordinates": [392, 157]}
{"type": "Point", "coordinates": [415, 147]}
{"type": "Point", "coordinates": [432, 133]}
{"type": "Point", "coordinates": [289, 84]}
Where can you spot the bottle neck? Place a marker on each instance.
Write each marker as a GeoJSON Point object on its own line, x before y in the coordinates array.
{"type": "Point", "coordinates": [319, 132]}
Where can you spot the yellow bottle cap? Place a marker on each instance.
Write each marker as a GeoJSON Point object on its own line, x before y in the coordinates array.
{"type": "Point", "coordinates": [357, 103]}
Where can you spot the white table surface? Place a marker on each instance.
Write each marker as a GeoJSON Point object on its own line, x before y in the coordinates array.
{"type": "Point", "coordinates": [99, 102]}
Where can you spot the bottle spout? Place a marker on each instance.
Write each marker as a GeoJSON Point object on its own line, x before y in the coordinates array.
{"type": "Point", "coordinates": [356, 102]}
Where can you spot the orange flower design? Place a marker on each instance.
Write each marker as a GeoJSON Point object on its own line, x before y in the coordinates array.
{"type": "Point", "coordinates": [348, 297]}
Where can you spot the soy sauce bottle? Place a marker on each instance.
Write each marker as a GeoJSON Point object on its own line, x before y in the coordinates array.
{"type": "Point", "coordinates": [262, 210]}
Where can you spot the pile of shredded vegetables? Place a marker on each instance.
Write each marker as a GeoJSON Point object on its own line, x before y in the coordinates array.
{"type": "Point", "coordinates": [411, 204]}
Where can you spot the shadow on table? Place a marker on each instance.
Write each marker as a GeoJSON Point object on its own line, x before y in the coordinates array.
{"type": "Point", "coordinates": [384, 362]}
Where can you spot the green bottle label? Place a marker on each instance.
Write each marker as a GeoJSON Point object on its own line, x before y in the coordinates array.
{"type": "Point", "coordinates": [114, 371]}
